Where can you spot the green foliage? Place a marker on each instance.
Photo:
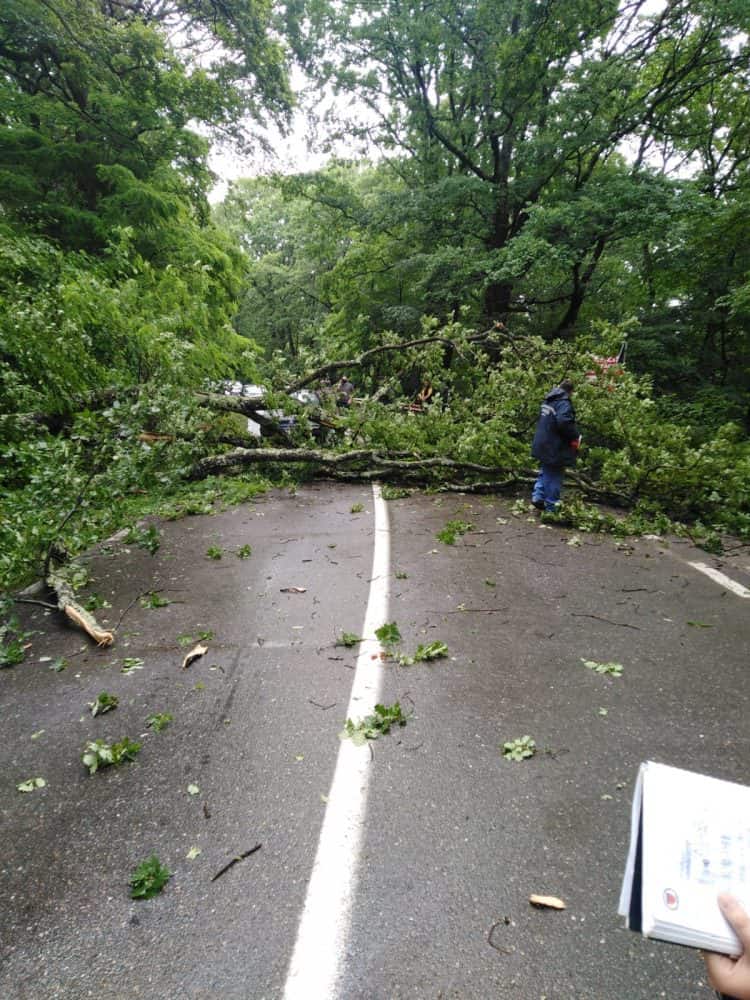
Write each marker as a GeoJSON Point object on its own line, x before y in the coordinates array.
{"type": "Point", "coordinates": [452, 531]}
{"type": "Point", "coordinates": [244, 552]}
{"type": "Point", "coordinates": [520, 749]}
{"type": "Point", "coordinates": [131, 663]}
{"type": "Point", "coordinates": [357, 508]}
{"type": "Point", "coordinates": [388, 635]}
{"type": "Point", "coordinates": [105, 702]}
{"type": "Point", "coordinates": [99, 753]}
{"type": "Point", "coordinates": [154, 601]}
{"type": "Point", "coordinates": [146, 538]}
{"type": "Point", "coordinates": [611, 669]}
{"type": "Point", "coordinates": [424, 653]}
{"type": "Point", "coordinates": [95, 601]}
{"type": "Point", "coordinates": [214, 552]}
{"type": "Point", "coordinates": [13, 638]}
{"type": "Point", "coordinates": [149, 878]}
{"type": "Point", "coordinates": [389, 492]}
{"type": "Point", "coordinates": [159, 720]}
{"type": "Point", "coordinates": [348, 640]}
{"type": "Point", "coordinates": [375, 725]}
{"type": "Point", "coordinates": [30, 785]}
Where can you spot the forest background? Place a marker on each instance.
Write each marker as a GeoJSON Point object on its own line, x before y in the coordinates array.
{"type": "Point", "coordinates": [529, 183]}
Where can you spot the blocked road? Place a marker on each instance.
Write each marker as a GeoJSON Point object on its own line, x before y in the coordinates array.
{"type": "Point", "coordinates": [454, 839]}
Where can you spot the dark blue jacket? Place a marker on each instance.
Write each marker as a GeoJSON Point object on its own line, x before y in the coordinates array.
{"type": "Point", "coordinates": [555, 429]}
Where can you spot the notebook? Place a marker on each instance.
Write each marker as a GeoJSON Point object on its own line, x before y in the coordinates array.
{"type": "Point", "coordinates": [689, 841]}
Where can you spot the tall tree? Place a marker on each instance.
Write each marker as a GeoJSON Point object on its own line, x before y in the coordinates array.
{"type": "Point", "coordinates": [529, 102]}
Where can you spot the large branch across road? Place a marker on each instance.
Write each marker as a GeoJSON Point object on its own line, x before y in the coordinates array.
{"type": "Point", "coordinates": [216, 464]}
{"type": "Point", "coordinates": [363, 359]}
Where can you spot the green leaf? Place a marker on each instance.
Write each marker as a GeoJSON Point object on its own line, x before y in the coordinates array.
{"type": "Point", "coordinates": [356, 508]}
{"type": "Point", "coordinates": [612, 669]}
{"type": "Point", "coordinates": [193, 790]}
{"type": "Point", "coordinates": [30, 784]}
{"type": "Point", "coordinates": [153, 601]}
{"type": "Point", "coordinates": [214, 552]}
{"type": "Point", "coordinates": [388, 634]}
{"type": "Point", "coordinates": [373, 726]}
{"type": "Point", "coordinates": [244, 552]}
{"type": "Point", "coordinates": [159, 721]}
{"type": "Point", "coordinates": [519, 749]}
{"type": "Point", "coordinates": [131, 663]}
{"type": "Point", "coordinates": [453, 530]}
{"type": "Point", "coordinates": [149, 878]}
{"type": "Point", "coordinates": [99, 753]}
{"type": "Point", "coordinates": [104, 703]}
{"type": "Point", "coordinates": [699, 624]}
{"type": "Point", "coordinates": [348, 639]}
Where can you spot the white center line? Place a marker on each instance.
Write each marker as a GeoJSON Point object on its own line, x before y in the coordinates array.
{"type": "Point", "coordinates": [315, 967]}
{"type": "Point", "coordinates": [720, 578]}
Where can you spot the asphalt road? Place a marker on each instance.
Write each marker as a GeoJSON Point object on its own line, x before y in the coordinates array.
{"type": "Point", "coordinates": [454, 837]}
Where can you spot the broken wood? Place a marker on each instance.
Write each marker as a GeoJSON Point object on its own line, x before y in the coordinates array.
{"type": "Point", "coordinates": [67, 603]}
{"type": "Point", "coordinates": [547, 902]}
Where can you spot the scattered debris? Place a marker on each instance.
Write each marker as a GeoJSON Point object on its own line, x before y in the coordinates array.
{"type": "Point", "coordinates": [373, 726]}
{"type": "Point", "coordinates": [608, 621]}
{"type": "Point", "coordinates": [453, 530]}
{"type": "Point", "coordinates": [105, 702]}
{"type": "Point", "coordinates": [99, 753]}
{"type": "Point", "coordinates": [149, 878]}
{"type": "Point", "coordinates": [240, 857]}
{"type": "Point", "coordinates": [348, 639]}
{"type": "Point", "coordinates": [505, 922]}
{"type": "Point", "coordinates": [159, 721]}
{"type": "Point", "coordinates": [58, 581]}
{"type": "Point", "coordinates": [519, 749]}
{"type": "Point", "coordinates": [193, 790]}
{"type": "Point", "coordinates": [547, 902]}
{"type": "Point", "coordinates": [152, 601]}
{"type": "Point", "coordinates": [612, 669]}
{"type": "Point", "coordinates": [195, 654]}
{"type": "Point", "coordinates": [30, 784]}
{"type": "Point", "coordinates": [424, 653]}
{"type": "Point", "coordinates": [293, 590]}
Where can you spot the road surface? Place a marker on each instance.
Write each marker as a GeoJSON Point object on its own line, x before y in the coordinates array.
{"type": "Point", "coordinates": [400, 869]}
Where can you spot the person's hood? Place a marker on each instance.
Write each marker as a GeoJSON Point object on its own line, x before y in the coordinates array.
{"type": "Point", "coordinates": [556, 393]}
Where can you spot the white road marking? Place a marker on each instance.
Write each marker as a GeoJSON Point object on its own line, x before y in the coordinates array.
{"type": "Point", "coordinates": [721, 579]}
{"type": "Point", "coordinates": [315, 969]}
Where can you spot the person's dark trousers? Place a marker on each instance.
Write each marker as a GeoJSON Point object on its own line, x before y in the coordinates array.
{"type": "Point", "coordinates": [547, 487]}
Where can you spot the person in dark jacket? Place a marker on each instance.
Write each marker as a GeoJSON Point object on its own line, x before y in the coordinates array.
{"type": "Point", "coordinates": [555, 445]}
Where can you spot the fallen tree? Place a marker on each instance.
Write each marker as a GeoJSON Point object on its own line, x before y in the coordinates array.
{"type": "Point", "coordinates": [472, 437]}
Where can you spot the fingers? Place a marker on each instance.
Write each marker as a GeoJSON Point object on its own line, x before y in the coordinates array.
{"type": "Point", "coordinates": [736, 917]}
{"type": "Point", "coordinates": [719, 969]}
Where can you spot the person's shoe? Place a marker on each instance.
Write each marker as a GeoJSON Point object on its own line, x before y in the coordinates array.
{"type": "Point", "coordinates": [539, 504]}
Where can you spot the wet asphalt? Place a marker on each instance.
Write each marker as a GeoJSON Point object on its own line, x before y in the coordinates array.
{"type": "Point", "coordinates": [456, 837]}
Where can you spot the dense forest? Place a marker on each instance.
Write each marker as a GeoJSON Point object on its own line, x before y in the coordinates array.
{"type": "Point", "coordinates": [528, 185]}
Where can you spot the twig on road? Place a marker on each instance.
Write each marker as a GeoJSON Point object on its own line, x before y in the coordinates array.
{"type": "Point", "coordinates": [609, 621]}
{"type": "Point", "coordinates": [240, 857]}
{"type": "Point", "coordinates": [505, 922]}
{"type": "Point", "coordinates": [318, 705]}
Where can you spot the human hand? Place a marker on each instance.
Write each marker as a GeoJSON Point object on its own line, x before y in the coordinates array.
{"type": "Point", "coordinates": [725, 974]}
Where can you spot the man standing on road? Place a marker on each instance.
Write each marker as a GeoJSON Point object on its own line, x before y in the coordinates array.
{"type": "Point", "coordinates": [555, 445]}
